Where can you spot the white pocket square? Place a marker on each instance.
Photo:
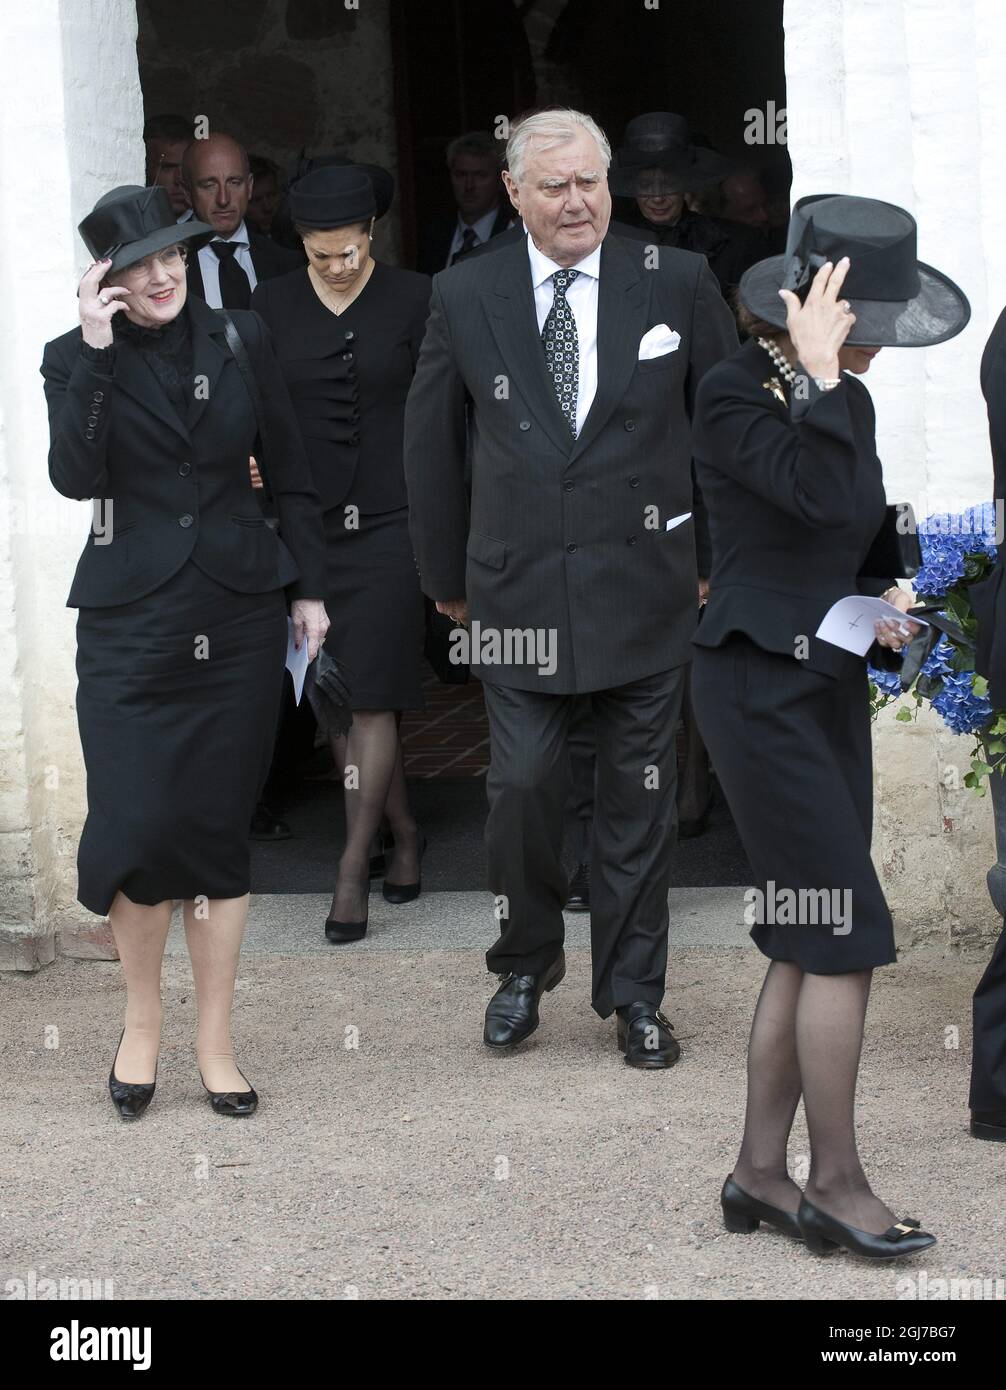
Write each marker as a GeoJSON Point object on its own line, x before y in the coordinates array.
{"type": "Point", "coordinates": [658, 341]}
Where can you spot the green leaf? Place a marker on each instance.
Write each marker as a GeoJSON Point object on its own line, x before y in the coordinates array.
{"type": "Point", "coordinates": [904, 716]}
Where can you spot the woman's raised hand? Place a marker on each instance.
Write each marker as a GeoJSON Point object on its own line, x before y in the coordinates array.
{"type": "Point", "coordinates": [97, 305]}
{"type": "Point", "coordinates": [820, 325]}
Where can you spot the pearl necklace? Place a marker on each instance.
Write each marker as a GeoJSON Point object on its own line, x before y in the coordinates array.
{"type": "Point", "coordinates": [779, 359]}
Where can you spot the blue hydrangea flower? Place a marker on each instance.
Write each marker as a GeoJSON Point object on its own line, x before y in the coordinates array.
{"type": "Point", "coordinates": [887, 682]}
{"type": "Point", "coordinates": [961, 709]}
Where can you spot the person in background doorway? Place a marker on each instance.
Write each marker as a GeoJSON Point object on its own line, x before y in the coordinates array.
{"type": "Point", "coordinates": [481, 208]}
{"type": "Point", "coordinates": [166, 139]}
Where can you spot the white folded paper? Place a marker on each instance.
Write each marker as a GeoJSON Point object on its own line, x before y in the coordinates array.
{"type": "Point", "coordinates": [296, 661]}
{"type": "Point", "coordinates": [657, 341]}
{"type": "Point", "coordinates": [849, 622]}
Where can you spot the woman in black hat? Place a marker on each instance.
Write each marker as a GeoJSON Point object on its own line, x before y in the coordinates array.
{"type": "Point", "coordinates": [657, 164]}
{"type": "Point", "coordinates": [182, 629]}
{"type": "Point", "coordinates": [347, 331]}
{"type": "Point", "coordinates": [787, 462]}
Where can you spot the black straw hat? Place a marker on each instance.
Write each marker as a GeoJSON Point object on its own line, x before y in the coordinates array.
{"type": "Point", "coordinates": [898, 301]}
{"type": "Point", "coordinates": [659, 155]}
{"type": "Point", "coordinates": [132, 222]}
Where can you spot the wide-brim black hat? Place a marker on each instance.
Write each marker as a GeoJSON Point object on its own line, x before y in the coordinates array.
{"type": "Point", "coordinates": [131, 222]}
{"type": "Point", "coordinates": [898, 301]}
{"type": "Point", "coordinates": [660, 155]}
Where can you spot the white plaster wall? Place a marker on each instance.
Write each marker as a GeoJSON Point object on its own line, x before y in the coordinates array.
{"type": "Point", "coordinates": [905, 100]}
{"type": "Point", "coordinates": [70, 71]}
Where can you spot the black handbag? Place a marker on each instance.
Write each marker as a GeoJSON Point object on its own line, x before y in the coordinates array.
{"type": "Point", "coordinates": [896, 552]}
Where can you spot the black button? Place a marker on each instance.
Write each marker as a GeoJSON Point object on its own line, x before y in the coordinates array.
{"type": "Point", "coordinates": [355, 417]}
{"type": "Point", "coordinates": [633, 481]}
{"type": "Point", "coordinates": [354, 438]}
{"type": "Point", "coordinates": [571, 548]}
{"type": "Point", "coordinates": [92, 419]}
{"type": "Point", "coordinates": [185, 520]}
{"type": "Point", "coordinates": [98, 396]}
{"type": "Point", "coordinates": [525, 424]}
{"type": "Point", "coordinates": [89, 434]}
{"type": "Point", "coordinates": [347, 357]}
{"type": "Point", "coordinates": [349, 336]}
{"type": "Point", "coordinates": [185, 469]}
{"type": "Point", "coordinates": [630, 425]}
{"type": "Point", "coordinates": [567, 487]}
{"type": "Point", "coordinates": [631, 540]}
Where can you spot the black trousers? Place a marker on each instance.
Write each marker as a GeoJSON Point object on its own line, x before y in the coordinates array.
{"type": "Point", "coordinates": [988, 1009]}
{"type": "Point", "coordinates": [580, 801]}
{"type": "Point", "coordinates": [634, 825]}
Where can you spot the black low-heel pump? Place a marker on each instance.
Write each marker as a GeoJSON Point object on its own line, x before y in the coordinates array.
{"type": "Point", "coordinates": [743, 1213]}
{"type": "Point", "coordinates": [130, 1098]}
{"type": "Point", "coordinates": [236, 1103]}
{"type": "Point", "coordinates": [406, 892]}
{"type": "Point", "coordinates": [825, 1234]}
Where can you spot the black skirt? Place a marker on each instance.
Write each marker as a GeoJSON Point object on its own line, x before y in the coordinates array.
{"type": "Point", "coordinates": [177, 703]}
{"type": "Point", "coordinates": [792, 752]}
{"type": "Point", "coordinates": [375, 608]}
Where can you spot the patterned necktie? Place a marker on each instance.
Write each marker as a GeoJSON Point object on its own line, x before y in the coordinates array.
{"type": "Point", "coordinates": [562, 351]}
{"type": "Point", "coordinates": [468, 240]}
{"type": "Point", "coordinates": [235, 288]}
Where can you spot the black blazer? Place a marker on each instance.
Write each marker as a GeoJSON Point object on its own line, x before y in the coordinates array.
{"type": "Point", "coordinates": [795, 495]}
{"type": "Point", "coordinates": [564, 535]}
{"type": "Point", "coordinates": [268, 258]}
{"type": "Point", "coordinates": [438, 235]}
{"type": "Point", "coordinates": [181, 491]}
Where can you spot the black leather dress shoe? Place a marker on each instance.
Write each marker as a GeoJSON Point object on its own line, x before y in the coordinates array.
{"type": "Point", "coordinates": [691, 827]}
{"type": "Point", "coordinates": [579, 890]}
{"type": "Point", "coordinates": [646, 1037]}
{"type": "Point", "coordinates": [236, 1103]}
{"type": "Point", "coordinates": [825, 1234]}
{"type": "Point", "coordinates": [512, 1012]}
{"type": "Point", "coordinates": [266, 825]}
{"type": "Point", "coordinates": [130, 1098]}
{"type": "Point", "coordinates": [743, 1213]}
{"type": "Point", "coordinates": [989, 1124]}
{"type": "Point", "coordinates": [406, 892]}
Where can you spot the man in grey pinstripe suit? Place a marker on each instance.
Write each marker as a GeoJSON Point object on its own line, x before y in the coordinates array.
{"type": "Point", "coordinates": [566, 363]}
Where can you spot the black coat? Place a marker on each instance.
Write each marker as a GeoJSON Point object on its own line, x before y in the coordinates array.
{"type": "Point", "coordinates": [178, 489]}
{"type": "Point", "coordinates": [268, 257]}
{"type": "Point", "coordinates": [564, 535]}
{"type": "Point", "coordinates": [729, 247]}
{"type": "Point", "coordinates": [987, 598]}
{"type": "Point", "coordinates": [795, 495]}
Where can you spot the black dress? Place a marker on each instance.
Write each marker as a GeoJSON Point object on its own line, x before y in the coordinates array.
{"type": "Point", "coordinates": [348, 375]}
{"type": "Point", "coordinates": [182, 627]}
{"type": "Point", "coordinates": [795, 497]}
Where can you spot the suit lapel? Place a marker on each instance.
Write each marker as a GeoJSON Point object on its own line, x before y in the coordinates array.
{"type": "Point", "coordinates": [509, 303]}
{"type": "Point", "coordinates": [137, 379]}
{"type": "Point", "coordinates": [623, 296]}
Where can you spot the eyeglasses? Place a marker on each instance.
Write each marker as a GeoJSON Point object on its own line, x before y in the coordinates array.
{"type": "Point", "coordinates": [172, 258]}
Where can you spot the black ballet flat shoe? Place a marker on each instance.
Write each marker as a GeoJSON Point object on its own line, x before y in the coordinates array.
{"type": "Point", "coordinates": [824, 1234]}
{"type": "Point", "coordinates": [743, 1213]}
{"type": "Point", "coordinates": [339, 933]}
{"type": "Point", "coordinates": [646, 1037]}
{"type": "Point", "coordinates": [406, 892]}
{"type": "Point", "coordinates": [235, 1103]}
{"type": "Point", "coordinates": [130, 1098]}
{"type": "Point", "coordinates": [989, 1124]}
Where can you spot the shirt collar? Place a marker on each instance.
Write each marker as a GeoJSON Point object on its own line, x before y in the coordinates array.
{"type": "Point", "coordinates": [240, 237]}
{"type": "Point", "coordinates": [542, 268]}
{"type": "Point", "coordinates": [483, 226]}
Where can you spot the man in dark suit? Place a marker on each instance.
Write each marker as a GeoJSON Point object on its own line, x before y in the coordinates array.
{"type": "Point", "coordinates": [571, 368]}
{"type": "Point", "coordinates": [988, 1063]}
{"type": "Point", "coordinates": [228, 266]}
{"type": "Point", "coordinates": [481, 212]}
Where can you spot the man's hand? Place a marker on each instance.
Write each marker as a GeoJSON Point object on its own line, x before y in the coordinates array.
{"type": "Point", "coordinates": [256, 476]}
{"type": "Point", "coordinates": [456, 608]}
{"type": "Point", "coordinates": [311, 621]}
{"type": "Point", "coordinates": [703, 592]}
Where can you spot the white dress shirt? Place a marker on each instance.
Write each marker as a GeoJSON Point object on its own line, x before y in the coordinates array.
{"type": "Point", "coordinates": [483, 230]}
{"type": "Point", "coordinates": [209, 265]}
{"type": "Point", "coordinates": [581, 296]}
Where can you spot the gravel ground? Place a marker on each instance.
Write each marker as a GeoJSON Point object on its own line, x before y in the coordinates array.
{"type": "Point", "coordinates": [418, 1165]}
